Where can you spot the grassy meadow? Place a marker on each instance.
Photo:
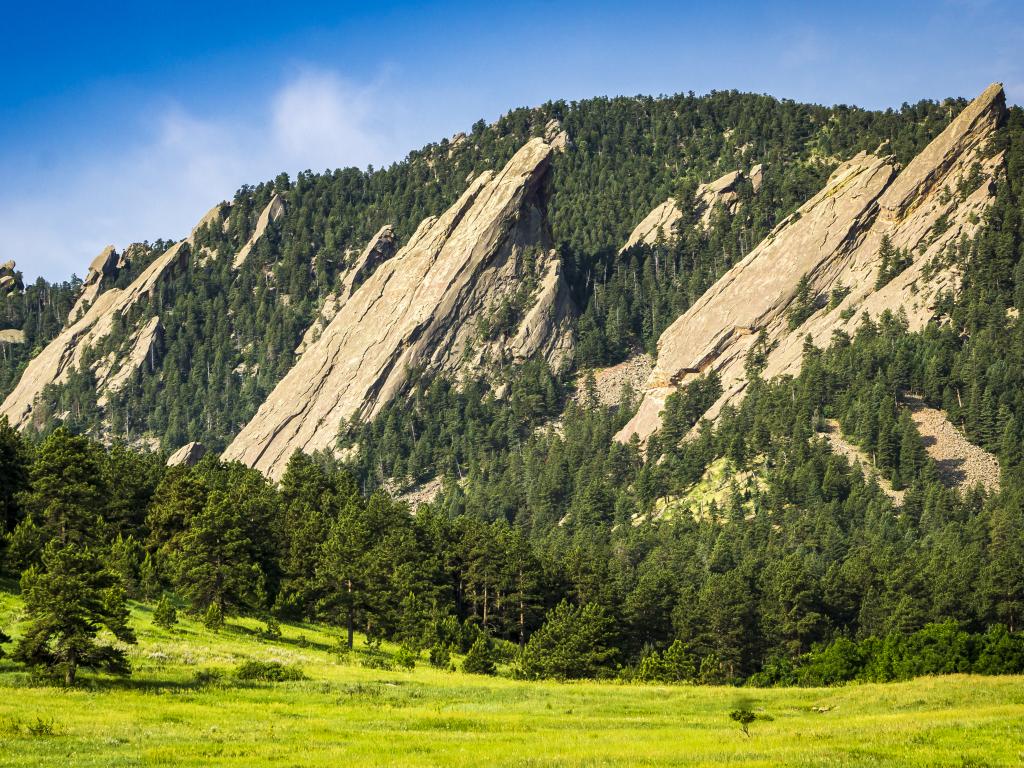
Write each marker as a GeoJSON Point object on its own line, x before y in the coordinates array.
{"type": "Point", "coordinates": [173, 711]}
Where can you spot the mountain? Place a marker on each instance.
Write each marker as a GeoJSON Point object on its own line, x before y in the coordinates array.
{"type": "Point", "coordinates": [732, 386]}
{"type": "Point", "coordinates": [475, 289]}
{"type": "Point", "coordinates": [282, 316]}
{"type": "Point", "coordinates": [816, 274]}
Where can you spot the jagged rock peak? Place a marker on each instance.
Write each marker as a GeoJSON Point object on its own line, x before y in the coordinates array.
{"type": "Point", "coordinates": [834, 241]}
{"type": "Point", "coordinates": [9, 282]}
{"type": "Point", "coordinates": [65, 352]}
{"type": "Point", "coordinates": [102, 268]}
{"type": "Point", "coordinates": [431, 307]}
{"type": "Point", "coordinates": [273, 211]}
{"type": "Point", "coordinates": [556, 136]}
{"type": "Point", "coordinates": [187, 456]}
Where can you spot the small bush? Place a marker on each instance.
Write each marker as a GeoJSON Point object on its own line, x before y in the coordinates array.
{"type": "Point", "coordinates": [165, 616]}
{"type": "Point", "coordinates": [378, 660]}
{"type": "Point", "coordinates": [273, 629]}
{"type": "Point", "coordinates": [406, 658]}
{"type": "Point", "coordinates": [481, 657]}
{"type": "Point", "coordinates": [267, 672]}
{"type": "Point", "coordinates": [213, 620]}
{"type": "Point", "coordinates": [207, 677]}
{"type": "Point", "coordinates": [440, 656]}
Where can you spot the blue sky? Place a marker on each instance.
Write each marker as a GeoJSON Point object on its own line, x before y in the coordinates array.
{"type": "Point", "coordinates": [122, 123]}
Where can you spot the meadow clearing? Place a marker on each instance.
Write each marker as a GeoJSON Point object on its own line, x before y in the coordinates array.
{"type": "Point", "coordinates": [175, 711]}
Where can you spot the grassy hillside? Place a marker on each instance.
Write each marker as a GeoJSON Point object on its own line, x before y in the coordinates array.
{"type": "Point", "coordinates": [345, 713]}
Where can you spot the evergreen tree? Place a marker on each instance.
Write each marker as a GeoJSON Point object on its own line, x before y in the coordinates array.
{"type": "Point", "coordinates": [165, 615]}
{"type": "Point", "coordinates": [69, 596]}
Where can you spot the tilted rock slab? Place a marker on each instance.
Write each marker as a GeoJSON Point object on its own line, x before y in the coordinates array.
{"type": "Point", "coordinates": [188, 455]}
{"type": "Point", "coordinates": [420, 310]}
{"type": "Point", "coordinates": [273, 211]}
{"type": "Point", "coordinates": [102, 268]}
{"type": "Point", "coordinates": [86, 329]}
{"type": "Point", "coordinates": [660, 223]}
{"type": "Point", "coordinates": [835, 239]}
{"type": "Point", "coordinates": [64, 353]}
{"type": "Point", "coordinates": [382, 246]}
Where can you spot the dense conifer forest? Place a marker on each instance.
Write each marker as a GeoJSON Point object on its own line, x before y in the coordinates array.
{"type": "Point", "coordinates": [550, 545]}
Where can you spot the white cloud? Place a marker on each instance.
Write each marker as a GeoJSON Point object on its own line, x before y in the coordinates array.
{"type": "Point", "coordinates": [160, 185]}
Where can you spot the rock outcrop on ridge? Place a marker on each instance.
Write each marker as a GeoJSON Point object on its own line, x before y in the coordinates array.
{"type": "Point", "coordinates": [834, 240]}
{"type": "Point", "coordinates": [273, 211]}
{"type": "Point", "coordinates": [382, 246]}
{"type": "Point", "coordinates": [660, 223]}
{"type": "Point", "coordinates": [188, 455]}
{"type": "Point", "coordinates": [9, 282]}
{"type": "Point", "coordinates": [92, 319]}
{"type": "Point", "coordinates": [64, 353]}
{"type": "Point", "coordinates": [479, 281]}
{"type": "Point", "coordinates": [102, 269]}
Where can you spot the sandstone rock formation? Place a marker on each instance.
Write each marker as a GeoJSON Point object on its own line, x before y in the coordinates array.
{"type": "Point", "coordinates": [382, 246]}
{"type": "Point", "coordinates": [757, 177]}
{"type": "Point", "coordinates": [424, 309]}
{"type": "Point", "coordinates": [141, 348]}
{"type": "Point", "coordinates": [834, 240]}
{"type": "Point", "coordinates": [720, 192]}
{"type": "Point", "coordinates": [660, 223]}
{"type": "Point", "coordinates": [188, 455]}
{"type": "Point", "coordinates": [64, 353]}
{"type": "Point", "coordinates": [12, 336]}
{"type": "Point", "coordinates": [273, 211]}
{"type": "Point", "coordinates": [9, 281]}
{"type": "Point", "coordinates": [102, 268]}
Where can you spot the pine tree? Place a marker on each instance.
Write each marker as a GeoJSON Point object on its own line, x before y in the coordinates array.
{"type": "Point", "coordinates": [165, 615]}
{"type": "Point", "coordinates": [69, 596]}
{"type": "Point", "coordinates": [216, 563]}
{"type": "Point", "coordinates": [213, 619]}
{"type": "Point", "coordinates": [480, 659]}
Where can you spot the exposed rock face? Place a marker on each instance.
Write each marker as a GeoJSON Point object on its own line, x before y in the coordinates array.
{"type": "Point", "coordinates": [382, 246]}
{"type": "Point", "coordinates": [9, 282]}
{"type": "Point", "coordinates": [720, 192]}
{"type": "Point", "coordinates": [757, 177]}
{"type": "Point", "coordinates": [555, 136]}
{"type": "Point", "coordinates": [834, 240]}
{"type": "Point", "coordinates": [141, 349]}
{"type": "Point", "coordinates": [187, 456]}
{"type": "Point", "coordinates": [64, 353]}
{"type": "Point", "coordinates": [423, 309]}
{"type": "Point", "coordinates": [660, 223]}
{"type": "Point", "coordinates": [102, 268]}
{"type": "Point", "coordinates": [273, 211]}
{"type": "Point", "coordinates": [12, 336]}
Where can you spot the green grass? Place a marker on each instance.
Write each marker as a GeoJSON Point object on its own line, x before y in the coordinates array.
{"type": "Point", "coordinates": [345, 714]}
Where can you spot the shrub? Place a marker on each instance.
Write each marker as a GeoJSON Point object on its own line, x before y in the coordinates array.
{"type": "Point", "coordinates": [440, 656]}
{"type": "Point", "coordinates": [206, 677]}
{"type": "Point", "coordinates": [273, 629]}
{"type": "Point", "coordinates": [165, 615]}
{"type": "Point", "coordinates": [406, 658]}
{"type": "Point", "coordinates": [213, 618]}
{"type": "Point", "coordinates": [268, 672]}
{"type": "Point", "coordinates": [480, 659]}
{"type": "Point", "coordinates": [378, 660]}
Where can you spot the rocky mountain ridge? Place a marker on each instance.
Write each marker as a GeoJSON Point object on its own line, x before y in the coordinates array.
{"type": "Point", "coordinates": [477, 286]}
{"type": "Point", "coordinates": [834, 244]}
